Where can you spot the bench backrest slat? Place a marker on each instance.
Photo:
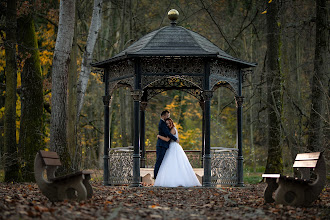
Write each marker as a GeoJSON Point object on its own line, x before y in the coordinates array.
{"type": "Point", "coordinates": [52, 162]}
{"type": "Point", "coordinates": [308, 156]}
{"type": "Point", "coordinates": [305, 163]}
{"type": "Point", "coordinates": [49, 154]}
{"type": "Point", "coordinates": [50, 158]}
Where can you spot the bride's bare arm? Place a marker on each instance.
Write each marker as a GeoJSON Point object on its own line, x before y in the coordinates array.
{"type": "Point", "coordinates": [173, 131]}
{"type": "Point", "coordinates": [163, 138]}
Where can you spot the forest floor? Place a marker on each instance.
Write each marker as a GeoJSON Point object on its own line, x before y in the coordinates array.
{"type": "Point", "coordinates": [25, 201]}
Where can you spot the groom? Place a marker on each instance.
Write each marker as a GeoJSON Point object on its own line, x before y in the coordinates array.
{"type": "Point", "coordinates": [162, 146]}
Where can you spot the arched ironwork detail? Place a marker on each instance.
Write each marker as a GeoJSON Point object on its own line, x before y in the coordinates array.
{"type": "Point", "coordinates": [153, 92]}
{"type": "Point", "coordinates": [171, 83]}
{"type": "Point", "coordinates": [225, 85]}
{"type": "Point", "coordinates": [221, 72]}
{"type": "Point", "coordinates": [122, 83]}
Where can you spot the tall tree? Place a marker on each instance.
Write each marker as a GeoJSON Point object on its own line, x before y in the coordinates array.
{"type": "Point", "coordinates": [122, 93]}
{"type": "Point", "coordinates": [274, 160]}
{"type": "Point", "coordinates": [88, 53]}
{"type": "Point", "coordinates": [10, 144]}
{"type": "Point", "coordinates": [319, 82]}
{"type": "Point", "coordinates": [61, 62]}
{"type": "Point", "coordinates": [74, 148]}
{"type": "Point", "coordinates": [31, 127]}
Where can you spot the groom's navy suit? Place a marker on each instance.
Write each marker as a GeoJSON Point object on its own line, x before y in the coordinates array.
{"type": "Point", "coordinates": [162, 146]}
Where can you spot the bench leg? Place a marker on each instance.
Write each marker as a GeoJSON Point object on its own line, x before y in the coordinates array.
{"type": "Point", "coordinates": [88, 186]}
{"type": "Point", "coordinates": [66, 191]}
{"type": "Point", "coordinates": [289, 193]}
{"type": "Point", "coordinates": [314, 189]}
{"type": "Point", "coordinates": [270, 189]}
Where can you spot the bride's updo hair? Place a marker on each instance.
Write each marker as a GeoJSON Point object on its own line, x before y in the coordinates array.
{"type": "Point", "coordinates": [171, 123]}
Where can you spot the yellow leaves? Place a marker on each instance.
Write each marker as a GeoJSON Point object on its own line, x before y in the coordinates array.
{"type": "Point", "coordinates": [46, 57]}
{"type": "Point", "coordinates": [190, 139]}
{"type": "Point", "coordinates": [2, 112]}
{"type": "Point", "coordinates": [97, 77]}
{"type": "Point", "coordinates": [2, 60]}
{"type": "Point", "coordinates": [265, 11]}
{"type": "Point", "coordinates": [19, 80]}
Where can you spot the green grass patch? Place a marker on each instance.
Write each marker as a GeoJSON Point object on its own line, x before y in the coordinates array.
{"type": "Point", "coordinates": [252, 178]}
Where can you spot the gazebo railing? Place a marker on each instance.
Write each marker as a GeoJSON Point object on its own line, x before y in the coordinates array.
{"type": "Point", "coordinates": [224, 166]}
{"type": "Point", "coordinates": [121, 165]}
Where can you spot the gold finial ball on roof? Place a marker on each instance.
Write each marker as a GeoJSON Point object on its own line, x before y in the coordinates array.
{"type": "Point", "coordinates": [173, 15]}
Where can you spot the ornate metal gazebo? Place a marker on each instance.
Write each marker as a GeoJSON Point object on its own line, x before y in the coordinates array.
{"type": "Point", "coordinates": [172, 57]}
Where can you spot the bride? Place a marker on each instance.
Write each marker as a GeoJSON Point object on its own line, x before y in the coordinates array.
{"type": "Point", "coordinates": [175, 169]}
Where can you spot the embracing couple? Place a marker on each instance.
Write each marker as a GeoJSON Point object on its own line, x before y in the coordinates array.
{"type": "Point", "coordinates": [172, 166]}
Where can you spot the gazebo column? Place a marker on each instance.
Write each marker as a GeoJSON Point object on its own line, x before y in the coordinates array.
{"type": "Point", "coordinates": [207, 96]}
{"type": "Point", "coordinates": [201, 103]}
{"type": "Point", "coordinates": [107, 144]}
{"type": "Point", "coordinates": [239, 105]}
{"type": "Point", "coordinates": [143, 106]}
{"type": "Point", "coordinates": [136, 94]}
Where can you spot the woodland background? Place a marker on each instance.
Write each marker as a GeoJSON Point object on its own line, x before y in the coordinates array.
{"type": "Point", "coordinates": [241, 28]}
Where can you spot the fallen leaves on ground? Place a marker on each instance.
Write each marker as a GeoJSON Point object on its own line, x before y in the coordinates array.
{"type": "Point", "coordinates": [25, 201]}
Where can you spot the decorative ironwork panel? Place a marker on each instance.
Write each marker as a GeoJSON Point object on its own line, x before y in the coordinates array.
{"type": "Point", "coordinates": [121, 74]}
{"type": "Point", "coordinates": [121, 70]}
{"type": "Point", "coordinates": [189, 69]}
{"type": "Point", "coordinates": [195, 158]}
{"type": "Point", "coordinates": [224, 167]}
{"type": "Point", "coordinates": [121, 166]}
{"type": "Point", "coordinates": [221, 71]}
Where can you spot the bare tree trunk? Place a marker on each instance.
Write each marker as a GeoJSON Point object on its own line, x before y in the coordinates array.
{"type": "Point", "coordinates": [106, 30]}
{"type": "Point", "coordinates": [31, 126]}
{"type": "Point", "coordinates": [297, 61]}
{"type": "Point", "coordinates": [122, 26]}
{"type": "Point", "coordinates": [74, 152]}
{"type": "Point", "coordinates": [10, 146]}
{"type": "Point", "coordinates": [274, 160]}
{"type": "Point", "coordinates": [218, 112]}
{"type": "Point", "coordinates": [123, 117]}
{"type": "Point", "coordinates": [88, 53]}
{"type": "Point", "coordinates": [122, 92]}
{"type": "Point", "coordinates": [319, 82]}
{"type": "Point", "coordinates": [60, 69]}
{"type": "Point", "coordinates": [253, 151]}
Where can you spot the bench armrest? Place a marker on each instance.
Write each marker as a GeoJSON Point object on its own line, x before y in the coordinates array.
{"type": "Point", "coordinates": [266, 175]}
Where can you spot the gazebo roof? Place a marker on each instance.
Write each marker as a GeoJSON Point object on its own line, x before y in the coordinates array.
{"type": "Point", "coordinates": [173, 41]}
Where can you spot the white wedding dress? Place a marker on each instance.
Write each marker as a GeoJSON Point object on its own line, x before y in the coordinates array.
{"type": "Point", "coordinates": [175, 169]}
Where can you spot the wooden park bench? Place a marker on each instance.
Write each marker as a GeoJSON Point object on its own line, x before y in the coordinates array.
{"type": "Point", "coordinates": [301, 190]}
{"type": "Point", "coordinates": [72, 186]}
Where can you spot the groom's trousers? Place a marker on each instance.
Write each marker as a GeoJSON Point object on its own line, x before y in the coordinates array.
{"type": "Point", "coordinates": [160, 153]}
